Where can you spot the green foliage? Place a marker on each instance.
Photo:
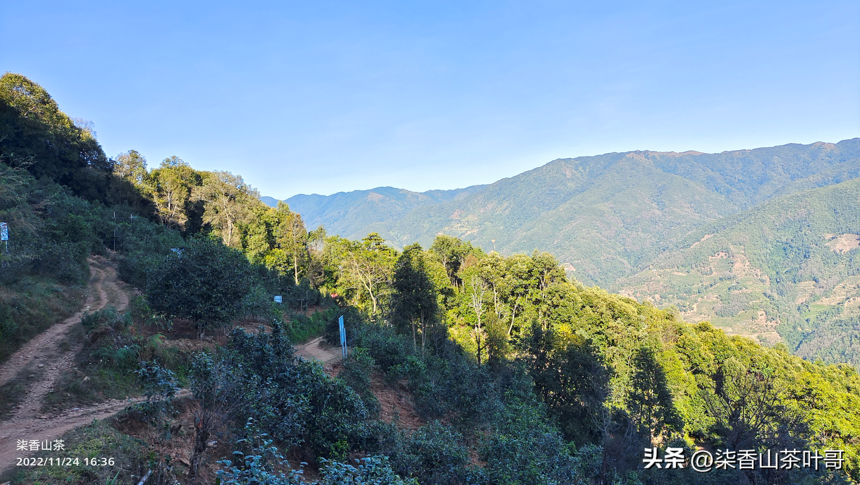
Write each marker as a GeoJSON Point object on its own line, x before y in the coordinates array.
{"type": "Point", "coordinates": [525, 447]}
{"type": "Point", "coordinates": [782, 261]}
{"type": "Point", "coordinates": [446, 382]}
{"type": "Point", "coordinates": [227, 199]}
{"type": "Point", "coordinates": [452, 253]}
{"type": "Point", "coordinates": [50, 232]}
{"type": "Point", "coordinates": [833, 340]}
{"type": "Point", "coordinates": [37, 135]}
{"type": "Point", "coordinates": [131, 166]}
{"type": "Point", "coordinates": [572, 382]}
{"type": "Point", "coordinates": [414, 298]}
{"type": "Point", "coordinates": [373, 470]}
{"type": "Point", "coordinates": [357, 372]}
{"type": "Point", "coordinates": [34, 304]}
{"type": "Point", "coordinates": [435, 453]}
{"type": "Point", "coordinates": [551, 382]}
{"type": "Point", "coordinates": [650, 402]}
{"type": "Point", "coordinates": [294, 400]}
{"type": "Point", "coordinates": [361, 273]}
{"type": "Point", "coordinates": [255, 467]}
{"type": "Point", "coordinates": [144, 245]}
{"type": "Point", "coordinates": [204, 281]}
{"type": "Point", "coordinates": [159, 386]}
{"type": "Point", "coordinates": [302, 328]}
{"type": "Point", "coordinates": [170, 187]}
{"type": "Point", "coordinates": [111, 360]}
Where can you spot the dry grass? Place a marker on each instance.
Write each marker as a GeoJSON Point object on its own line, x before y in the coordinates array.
{"type": "Point", "coordinates": [31, 306]}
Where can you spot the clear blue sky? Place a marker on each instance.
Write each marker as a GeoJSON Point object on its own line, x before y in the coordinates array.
{"type": "Point", "coordinates": [321, 97]}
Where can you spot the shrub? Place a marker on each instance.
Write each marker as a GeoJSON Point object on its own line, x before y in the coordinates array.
{"type": "Point", "coordinates": [159, 386]}
{"type": "Point", "coordinates": [255, 467]}
{"type": "Point", "coordinates": [374, 470]}
{"type": "Point", "coordinates": [356, 373]}
{"type": "Point", "coordinates": [435, 453]}
{"type": "Point", "coordinates": [205, 282]}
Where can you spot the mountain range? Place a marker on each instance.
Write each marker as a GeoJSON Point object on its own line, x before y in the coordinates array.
{"type": "Point", "coordinates": [349, 213]}
{"type": "Point", "coordinates": [757, 241]}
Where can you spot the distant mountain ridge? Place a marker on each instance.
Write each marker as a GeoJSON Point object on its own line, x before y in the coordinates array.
{"type": "Point", "coordinates": [667, 228]}
{"type": "Point", "coordinates": [605, 216]}
{"type": "Point", "coordinates": [347, 213]}
{"type": "Point", "coordinates": [269, 201]}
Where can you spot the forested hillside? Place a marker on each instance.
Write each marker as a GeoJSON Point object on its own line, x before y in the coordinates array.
{"type": "Point", "coordinates": [506, 370]}
{"type": "Point", "coordinates": [788, 266]}
{"type": "Point", "coordinates": [347, 213]}
{"type": "Point", "coordinates": [631, 206]}
{"type": "Point", "coordinates": [612, 220]}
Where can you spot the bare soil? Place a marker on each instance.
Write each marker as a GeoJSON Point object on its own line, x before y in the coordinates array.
{"type": "Point", "coordinates": [395, 403]}
{"type": "Point", "coordinates": [843, 243]}
{"type": "Point", "coordinates": [318, 349]}
{"type": "Point", "coordinates": [47, 354]}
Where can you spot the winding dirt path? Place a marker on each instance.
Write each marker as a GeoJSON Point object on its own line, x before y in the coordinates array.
{"type": "Point", "coordinates": [45, 352]}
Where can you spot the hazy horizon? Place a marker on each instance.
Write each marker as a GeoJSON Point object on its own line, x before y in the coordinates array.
{"type": "Point", "coordinates": [538, 166]}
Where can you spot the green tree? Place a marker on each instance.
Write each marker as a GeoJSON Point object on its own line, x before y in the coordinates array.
{"type": "Point", "coordinates": [650, 402]}
{"type": "Point", "coordinates": [36, 135]}
{"type": "Point", "coordinates": [170, 188]}
{"type": "Point", "coordinates": [571, 380]}
{"type": "Point", "coordinates": [131, 166]}
{"type": "Point", "coordinates": [316, 257]}
{"type": "Point", "coordinates": [364, 270]}
{"type": "Point", "coordinates": [749, 406]}
{"type": "Point", "coordinates": [476, 290]}
{"type": "Point", "coordinates": [414, 299]}
{"type": "Point", "coordinates": [227, 201]}
{"type": "Point", "coordinates": [452, 252]}
{"type": "Point", "coordinates": [204, 282]}
{"type": "Point", "coordinates": [292, 238]}
{"type": "Point", "coordinates": [258, 233]}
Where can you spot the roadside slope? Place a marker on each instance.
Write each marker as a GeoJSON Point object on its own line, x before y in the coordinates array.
{"type": "Point", "coordinates": [46, 357]}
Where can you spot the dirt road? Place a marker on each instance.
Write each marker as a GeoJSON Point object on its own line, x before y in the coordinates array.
{"type": "Point", "coordinates": [317, 349]}
{"type": "Point", "coordinates": [45, 352]}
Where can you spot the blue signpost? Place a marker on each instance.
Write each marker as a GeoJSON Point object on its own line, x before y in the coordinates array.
{"type": "Point", "coordinates": [4, 234]}
{"type": "Point", "coordinates": [342, 336]}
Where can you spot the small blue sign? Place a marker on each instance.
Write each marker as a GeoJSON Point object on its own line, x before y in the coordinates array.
{"type": "Point", "coordinates": [4, 231]}
{"type": "Point", "coordinates": [279, 299]}
{"type": "Point", "coordinates": [342, 336]}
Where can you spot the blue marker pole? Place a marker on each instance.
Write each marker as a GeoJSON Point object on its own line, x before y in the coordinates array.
{"type": "Point", "coordinates": [342, 336]}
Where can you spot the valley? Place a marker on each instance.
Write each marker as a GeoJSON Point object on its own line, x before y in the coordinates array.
{"type": "Point", "coordinates": [758, 242]}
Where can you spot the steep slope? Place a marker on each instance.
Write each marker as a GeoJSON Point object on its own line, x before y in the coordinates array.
{"type": "Point", "coordinates": [606, 216]}
{"type": "Point", "coordinates": [346, 213]}
{"type": "Point", "coordinates": [628, 215]}
{"type": "Point", "coordinates": [750, 177]}
{"type": "Point", "coordinates": [500, 209]}
{"type": "Point", "coordinates": [791, 265]}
